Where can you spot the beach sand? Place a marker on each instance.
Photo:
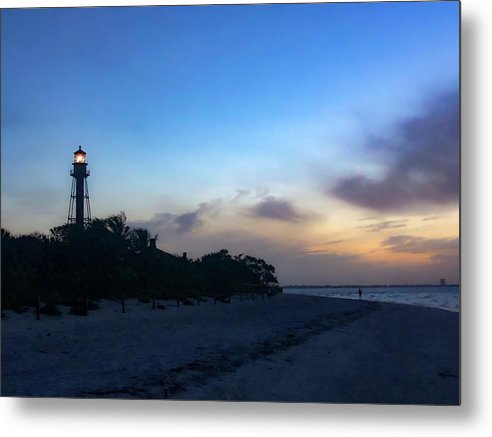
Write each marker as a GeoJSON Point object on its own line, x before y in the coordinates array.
{"type": "Point", "coordinates": [286, 348]}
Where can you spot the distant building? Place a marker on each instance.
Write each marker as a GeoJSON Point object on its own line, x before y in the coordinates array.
{"type": "Point", "coordinates": [443, 281]}
{"type": "Point", "coordinates": [152, 247]}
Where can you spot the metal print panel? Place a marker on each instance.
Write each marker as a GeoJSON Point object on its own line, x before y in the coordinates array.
{"type": "Point", "coordinates": [235, 202]}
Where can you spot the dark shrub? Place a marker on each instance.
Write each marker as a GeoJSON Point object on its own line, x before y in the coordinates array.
{"type": "Point", "coordinates": [78, 310]}
{"type": "Point", "coordinates": [19, 308]}
{"type": "Point", "coordinates": [74, 302]}
{"type": "Point", "coordinates": [186, 301]}
{"type": "Point", "coordinates": [92, 306]}
{"type": "Point", "coordinates": [31, 301]}
{"type": "Point", "coordinates": [160, 307]}
{"type": "Point", "coordinates": [222, 299]}
{"type": "Point", "coordinates": [51, 309]}
{"type": "Point", "coordinates": [143, 300]}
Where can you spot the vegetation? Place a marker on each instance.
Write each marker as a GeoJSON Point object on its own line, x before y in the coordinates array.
{"type": "Point", "coordinates": [51, 310]}
{"type": "Point", "coordinates": [109, 259]}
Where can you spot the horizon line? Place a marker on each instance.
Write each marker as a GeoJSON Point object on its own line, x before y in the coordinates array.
{"type": "Point", "coordinates": [369, 285]}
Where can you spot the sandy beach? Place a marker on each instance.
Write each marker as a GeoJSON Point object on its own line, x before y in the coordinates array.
{"type": "Point", "coordinates": [286, 348]}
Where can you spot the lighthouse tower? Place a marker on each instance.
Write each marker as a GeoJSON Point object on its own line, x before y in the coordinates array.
{"type": "Point", "coordinates": [79, 211]}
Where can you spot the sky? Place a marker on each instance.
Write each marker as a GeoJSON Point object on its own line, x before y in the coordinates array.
{"type": "Point", "coordinates": [323, 138]}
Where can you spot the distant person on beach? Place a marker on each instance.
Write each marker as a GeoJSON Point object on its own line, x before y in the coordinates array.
{"type": "Point", "coordinates": [360, 293]}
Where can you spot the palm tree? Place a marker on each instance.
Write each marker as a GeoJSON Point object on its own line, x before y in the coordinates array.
{"type": "Point", "coordinates": [116, 224]}
{"type": "Point", "coordinates": [139, 239]}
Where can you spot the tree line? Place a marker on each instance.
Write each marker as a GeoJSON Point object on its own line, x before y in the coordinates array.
{"type": "Point", "coordinates": [109, 259]}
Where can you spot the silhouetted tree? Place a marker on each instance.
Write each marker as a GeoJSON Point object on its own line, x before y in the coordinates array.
{"type": "Point", "coordinates": [139, 239]}
{"type": "Point", "coordinates": [109, 259]}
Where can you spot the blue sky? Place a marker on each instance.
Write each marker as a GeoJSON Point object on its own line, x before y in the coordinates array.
{"type": "Point", "coordinates": [180, 106]}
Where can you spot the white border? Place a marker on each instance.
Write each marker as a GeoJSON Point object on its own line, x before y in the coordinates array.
{"type": "Point", "coordinates": [58, 417]}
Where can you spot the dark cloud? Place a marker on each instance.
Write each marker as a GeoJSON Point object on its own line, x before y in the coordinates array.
{"type": "Point", "coordinates": [277, 209]}
{"type": "Point", "coordinates": [240, 195]}
{"type": "Point", "coordinates": [424, 152]}
{"type": "Point", "coordinates": [428, 219]}
{"type": "Point", "coordinates": [182, 223]}
{"type": "Point", "coordinates": [314, 251]}
{"type": "Point", "coordinates": [333, 242]}
{"type": "Point", "coordinates": [387, 224]}
{"type": "Point", "coordinates": [186, 222]}
{"type": "Point", "coordinates": [312, 248]}
{"type": "Point", "coordinates": [412, 244]}
{"type": "Point", "coordinates": [191, 220]}
{"type": "Point", "coordinates": [162, 218]}
{"type": "Point", "coordinates": [364, 219]}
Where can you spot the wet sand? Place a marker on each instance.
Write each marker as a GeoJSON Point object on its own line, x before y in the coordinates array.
{"type": "Point", "coordinates": [286, 349]}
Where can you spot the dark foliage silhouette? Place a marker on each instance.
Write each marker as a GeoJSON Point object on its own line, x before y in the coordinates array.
{"type": "Point", "coordinates": [108, 259]}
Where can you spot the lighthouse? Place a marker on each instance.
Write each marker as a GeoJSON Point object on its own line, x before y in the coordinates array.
{"type": "Point", "coordinates": [79, 210]}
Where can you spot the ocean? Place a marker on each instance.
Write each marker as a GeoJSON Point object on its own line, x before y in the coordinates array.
{"type": "Point", "coordinates": [444, 297]}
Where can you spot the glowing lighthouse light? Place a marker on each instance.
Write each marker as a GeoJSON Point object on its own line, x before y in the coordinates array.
{"type": "Point", "coordinates": [79, 156]}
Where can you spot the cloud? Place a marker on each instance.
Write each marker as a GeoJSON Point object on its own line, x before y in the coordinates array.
{"type": "Point", "coordinates": [332, 242]}
{"type": "Point", "coordinates": [364, 219]}
{"type": "Point", "coordinates": [277, 209]}
{"type": "Point", "coordinates": [428, 219]}
{"type": "Point", "coordinates": [295, 267]}
{"type": "Point", "coordinates": [312, 248]}
{"type": "Point", "coordinates": [332, 268]}
{"type": "Point", "coordinates": [387, 224]}
{"type": "Point", "coordinates": [424, 168]}
{"type": "Point", "coordinates": [241, 194]}
{"type": "Point", "coordinates": [182, 223]}
{"type": "Point", "coordinates": [186, 222]}
{"type": "Point", "coordinates": [412, 244]}
{"type": "Point", "coordinates": [314, 251]}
